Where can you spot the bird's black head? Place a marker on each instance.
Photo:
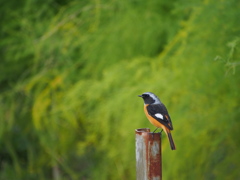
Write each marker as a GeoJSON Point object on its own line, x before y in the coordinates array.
{"type": "Point", "coordinates": [150, 98]}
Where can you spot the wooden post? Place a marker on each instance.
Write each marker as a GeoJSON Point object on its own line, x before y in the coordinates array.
{"type": "Point", "coordinates": [148, 155]}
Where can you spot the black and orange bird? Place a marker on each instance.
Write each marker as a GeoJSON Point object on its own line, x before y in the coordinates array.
{"type": "Point", "coordinates": [157, 114]}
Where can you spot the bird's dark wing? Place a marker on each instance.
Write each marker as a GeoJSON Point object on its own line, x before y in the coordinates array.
{"type": "Point", "coordinates": [160, 113]}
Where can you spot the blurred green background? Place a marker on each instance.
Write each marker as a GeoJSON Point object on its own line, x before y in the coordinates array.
{"type": "Point", "coordinates": [70, 73]}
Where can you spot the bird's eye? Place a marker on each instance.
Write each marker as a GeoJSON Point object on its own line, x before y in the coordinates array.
{"type": "Point", "coordinates": [145, 95]}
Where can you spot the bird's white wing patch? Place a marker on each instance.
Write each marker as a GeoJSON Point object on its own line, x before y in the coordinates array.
{"type": "Point", "coordinates": [158, 115]}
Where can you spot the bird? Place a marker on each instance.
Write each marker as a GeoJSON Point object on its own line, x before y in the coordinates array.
{"type": "Point", "coordinates": [157, 114]}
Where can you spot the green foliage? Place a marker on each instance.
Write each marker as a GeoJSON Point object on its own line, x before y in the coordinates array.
{"type": "Point", "coordinates": [71, 73]}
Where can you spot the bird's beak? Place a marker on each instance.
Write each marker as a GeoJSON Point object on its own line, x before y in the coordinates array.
{"type": "Point", "coordinates": [139, 95]}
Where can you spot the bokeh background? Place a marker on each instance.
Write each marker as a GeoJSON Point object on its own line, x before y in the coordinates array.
{"type": "Point", "coordinates": [70, 73]}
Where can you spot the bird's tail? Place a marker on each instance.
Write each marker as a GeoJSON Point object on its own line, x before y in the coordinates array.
{"type": "Point", "coordinates": [173, 147]}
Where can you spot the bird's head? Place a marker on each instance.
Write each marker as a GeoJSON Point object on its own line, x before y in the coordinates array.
{"type": "Point", "coordinates": [150, 98]}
